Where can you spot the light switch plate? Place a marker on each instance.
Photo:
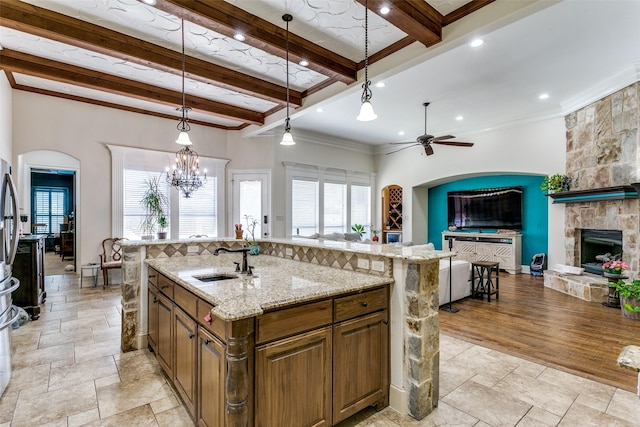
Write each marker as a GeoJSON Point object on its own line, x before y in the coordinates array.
{"type": "Point", "coordinates": [363, 263]}
{"type": "Point", "coordinates": [192, 249]}
{"type": "Point", "coordinates": [288, 252]}
{"type": "Point", "coordinates": [377, 265]}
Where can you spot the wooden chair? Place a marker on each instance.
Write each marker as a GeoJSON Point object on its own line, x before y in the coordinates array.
{"type": "Point", "coordinates": [111, 257]}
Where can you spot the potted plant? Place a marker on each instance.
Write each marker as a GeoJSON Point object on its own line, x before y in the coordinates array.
{"type": "Point", "coordinates": [162, 224]}
{"type": "Point", "coordinates": [238, 230]}
{"type": "Point", "coordinates": [154, 202]}
{"type": "Point", "coordinates": [555, 183]}
{"type": "Point", "coordinates": [374, 232]}
{"type": "Point", "coordinates": [254, 248]}
{"type": "Point", "coordinates": [629, 298]}
{"type": "Point", "coordinates": [358, 228]}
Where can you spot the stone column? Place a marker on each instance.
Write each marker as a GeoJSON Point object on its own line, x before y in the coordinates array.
{"type": "Point", "coordinates": [422, 341]}
{"type": "Point", "coordinates": [132, 257]}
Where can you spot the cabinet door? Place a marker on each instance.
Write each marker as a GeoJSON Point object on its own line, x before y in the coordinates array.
{"type": "Point", "coordinates": [184, 361]}
{"type": "Point", "coordinates": [504, 255]}
{"type": "Point", "coordinates": [152, 317]}
{"type": "Point", "coordinates": [165, 334]}
{"type": "Point", "coordinates": [293, 381]}
{"type": "Point", "coordinates": [360, 364]}
{"type": "Point", "coordinates": [484, 252]}
{"type": "Point", "coordinates": [211, 380]}
{"type": "Point", "coordinates": [466, 250]}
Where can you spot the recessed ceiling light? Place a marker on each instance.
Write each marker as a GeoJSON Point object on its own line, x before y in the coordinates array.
{"type": "Point", "coordinates": [384, 10]}
{"type": "Point", "coordinates": [459, 118]}
{"type": "Point", "coordinates": [401, 133]}
{"type": "Point", "coordinates": [320, 109]}
{"type": "Point", "coordinates": [304, 63]}
{"type": "Point", "coordinates": [543, 96]}
{"type": "Point", "coordinates": [149, 2]}
{"type": "Point", "coordinates": [239, 37]}
{"type": "Point", "coordinates": [381, 84]}
{"type": "Point", "coordinates": [476, 42]}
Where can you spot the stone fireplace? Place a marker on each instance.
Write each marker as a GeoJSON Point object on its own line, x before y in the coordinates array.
{"type": "Point", "coordinates": [603, 151]}
{"type": "Point", "coordinates": [596, 244]}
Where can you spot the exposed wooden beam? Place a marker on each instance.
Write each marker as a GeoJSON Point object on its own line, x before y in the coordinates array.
{"type": "Point", "coordinates": [227, 19]}
{"type": "Point", "coordinates": [44, 23]}
{"type": "Point", "coordinates": [416, 18]}
{"type": "Point", "coordinates": [465, 10]}
{"type": "Point", "coordinates": [34, 66]}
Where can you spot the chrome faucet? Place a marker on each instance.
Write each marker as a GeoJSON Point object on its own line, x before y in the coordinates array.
{"type": "Point", "coordinates": [245, 265]}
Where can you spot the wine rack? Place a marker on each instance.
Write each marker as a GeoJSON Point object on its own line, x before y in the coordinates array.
{"type": "Point", "coordinates": [391, 210]}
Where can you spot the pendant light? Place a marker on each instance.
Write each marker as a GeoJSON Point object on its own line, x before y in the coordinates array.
{"type": "Point", "coordinates": [185, 173]}
{"type": "Point", "coordinates": [366, 109]}
{"type": "Point", "coordinates": [287, 138]}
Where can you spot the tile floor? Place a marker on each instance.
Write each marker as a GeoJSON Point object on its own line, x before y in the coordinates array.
{"type": "Point", "coordinates": [68, 371]}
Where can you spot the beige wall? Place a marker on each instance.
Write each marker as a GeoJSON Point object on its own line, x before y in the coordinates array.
{"type": "Point", "coordinates": [6, 119]}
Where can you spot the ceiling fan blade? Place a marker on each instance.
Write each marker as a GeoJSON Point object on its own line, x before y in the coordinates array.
{"type": "Point", "coordinates": [403, 148]}
{"type": "Point", "coordinates": [400, 143]}
{"type": "Point", "coordinates": [455, 143]}
{"type": "Point", "coordinates": [440, 138]}
{"type": "Point", "coordinates": [428, 150]}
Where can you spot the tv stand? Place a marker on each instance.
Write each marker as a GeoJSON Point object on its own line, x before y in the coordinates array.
{"type": "Point", "coordinates": [505, 248]}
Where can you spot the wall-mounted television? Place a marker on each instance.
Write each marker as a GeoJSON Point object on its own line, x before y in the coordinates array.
{"type": "Point", "coordinates": [486, 208]}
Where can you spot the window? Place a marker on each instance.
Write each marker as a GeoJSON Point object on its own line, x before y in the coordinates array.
{"type": "Point", "coordinates": [325, 200]}
{"type": "Point", "coordinates": [198, 215]}
{"type": "Point", "coordinates": [304, 208]}
{"type": "Point", "coordinates": [48, 208]}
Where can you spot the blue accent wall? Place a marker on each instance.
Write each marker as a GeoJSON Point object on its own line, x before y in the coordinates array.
{"type": "Point", "coordinates": [534, 209]}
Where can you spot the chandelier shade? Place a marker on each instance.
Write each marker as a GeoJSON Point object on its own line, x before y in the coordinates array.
{"type": "Point", "coordinates": [185, 173]}
{"type": "Point", "coordinates": [366, 109]}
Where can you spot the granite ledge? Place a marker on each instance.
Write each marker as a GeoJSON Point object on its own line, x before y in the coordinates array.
{"type": "Point", "coordinates": [276, 282]}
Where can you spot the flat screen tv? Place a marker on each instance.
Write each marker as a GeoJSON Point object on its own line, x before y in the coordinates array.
{"type": "Point", "coordinates": [487, 208]}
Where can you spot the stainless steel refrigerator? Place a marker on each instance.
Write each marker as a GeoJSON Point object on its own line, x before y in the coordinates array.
{"type": "Point", "coordinates": [9, 234]}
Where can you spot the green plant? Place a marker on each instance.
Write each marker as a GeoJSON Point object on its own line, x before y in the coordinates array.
{"type": "Point", "coordinates": [154, 202]}
{"type": "Point", "coordinates": [629, 290]}
{"type": "Point", "coordinates": [251, 229]}
{"type": "Point", "coordinates": [358, 228]}
{"type": "Point", "coordinates": [557, 182]}
{"type": "Point", "coordinates": [374, 231]}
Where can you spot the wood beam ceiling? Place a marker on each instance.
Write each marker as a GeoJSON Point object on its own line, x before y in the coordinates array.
{"type": "Point", "coordinates": [44, 23]}
{"type": "Point", "coordinates": [52, 70]}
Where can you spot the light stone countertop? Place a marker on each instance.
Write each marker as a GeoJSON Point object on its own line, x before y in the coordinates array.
{"type": "Point", "coordinates": [276, 282]}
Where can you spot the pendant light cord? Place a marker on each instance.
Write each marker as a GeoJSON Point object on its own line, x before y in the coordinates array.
{"type": "Point", "coordinates": [183, 67]}
{"type": "Point", "coordinates": [366, 93]}
{"type": "Point", "coordinates": [287, 61]}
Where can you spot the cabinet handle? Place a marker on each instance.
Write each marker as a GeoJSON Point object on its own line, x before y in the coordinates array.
{"type": "Point", "coordinates": [385, 321]}
{"type": "Point", "coordinates": [191, 335]}
{"type": "Point", "coordinates": [152, 275]}
{"type": "Point", "coordinates": [155, 300]}
{"type": "Point", "coordinates": [207, 342]}
{"type": "Point", "coordinates": [364, 304]}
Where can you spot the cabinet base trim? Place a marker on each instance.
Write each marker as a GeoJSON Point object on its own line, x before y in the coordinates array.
{"type": "Point", "coordinates": [398, 399]}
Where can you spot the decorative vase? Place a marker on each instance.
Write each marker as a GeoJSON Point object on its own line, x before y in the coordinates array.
{"type": "Point", "coordinates": [633, 302]}
{"type": "Point", "coordinates": [162, 235]}
{"type": "Point", "coordinates": [375, 238]}
{"type": "Point", "coordinates": [254, 249]}
{"type": "Point", "coordinates": [239, 234]}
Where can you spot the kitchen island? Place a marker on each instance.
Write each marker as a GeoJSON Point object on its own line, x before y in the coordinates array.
{"type": "Point", "coordinates": [320, 280]}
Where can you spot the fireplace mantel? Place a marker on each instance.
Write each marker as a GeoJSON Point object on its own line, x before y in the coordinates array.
{"type": "Point", "coordinates": [607, 193]}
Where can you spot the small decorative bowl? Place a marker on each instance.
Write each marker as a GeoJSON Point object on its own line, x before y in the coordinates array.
{"type": "Point", "coordinates": [453, 228]}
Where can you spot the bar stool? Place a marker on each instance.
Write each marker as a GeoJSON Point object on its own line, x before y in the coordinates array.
{"type": "Point", "coordinates": [487, 283]}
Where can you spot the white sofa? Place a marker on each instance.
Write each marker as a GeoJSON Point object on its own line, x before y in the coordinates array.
{"type": "Point", "coordinates": [460, 280]}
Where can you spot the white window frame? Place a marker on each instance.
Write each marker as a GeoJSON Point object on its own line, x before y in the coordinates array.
{"type": "Point", "coordinates": [325, 174]}
{"type": "Point", "coordinates": [143, 159]}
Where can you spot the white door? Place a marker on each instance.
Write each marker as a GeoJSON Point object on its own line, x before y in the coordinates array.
{"type": "Point", "coordinates": [251, 195]}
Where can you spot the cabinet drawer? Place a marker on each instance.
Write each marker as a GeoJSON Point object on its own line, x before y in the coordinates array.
{"type": "Point", "coordinates": [165, 286]}
{"type": "Point", "coordinates": [216, 325]}
{"type": "Point", "coordinates": [289, 321]}
{"type": "Point", "coordinates": [152, 276]}
{"type": "Point", "coordinates": [185, 300]}
{"type": "Point", "coordinates": [359, 304]}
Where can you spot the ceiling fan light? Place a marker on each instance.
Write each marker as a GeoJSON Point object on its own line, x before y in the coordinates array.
{"type": "Point", "coordinates": [183, 138]}
{"type": "Point", "coordinates": [287, 138]}
{"type": "Point", "coordinates": [366, 112]}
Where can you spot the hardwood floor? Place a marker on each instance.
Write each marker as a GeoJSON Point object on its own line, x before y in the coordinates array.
{"type": "Point", "coordinates": [548, 327]}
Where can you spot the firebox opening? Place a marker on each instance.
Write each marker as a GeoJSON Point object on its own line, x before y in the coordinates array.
{"type": "Point", "coordinates": [598, 246]}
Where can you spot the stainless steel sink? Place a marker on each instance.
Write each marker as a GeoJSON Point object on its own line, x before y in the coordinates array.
{"type": "Point", "coordinates": [215, 277]}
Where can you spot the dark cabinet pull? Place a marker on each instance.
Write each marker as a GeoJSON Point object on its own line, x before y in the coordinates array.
{"type": "Point", "coordinates": [207, 342]}
{"type": "Point", "coordinates": [191, 335]}
{"type": "Point", "coordinates": [386, 322]}
{"type": "Point", "coordinates": [155, 300]}
{"type": "Point", "coordinates": [364, 304]}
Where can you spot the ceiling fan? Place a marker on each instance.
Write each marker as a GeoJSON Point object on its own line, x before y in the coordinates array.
{"type": "Point", "coordinates": [426, 140]}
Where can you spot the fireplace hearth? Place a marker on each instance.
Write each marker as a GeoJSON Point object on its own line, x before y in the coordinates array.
{"type": "Point", "coordinates": [598, 246]}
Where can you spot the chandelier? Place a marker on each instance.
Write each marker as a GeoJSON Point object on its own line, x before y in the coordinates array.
{"type": "Point", "coordinates": [185, 173]}
{"type": "Point", "coordinates": [366, 109]}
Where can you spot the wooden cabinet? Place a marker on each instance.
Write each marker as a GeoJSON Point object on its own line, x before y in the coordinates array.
{"type": "Point", "coordinates": [391, 210]}
{"type": "Point", "coordinates": [505, 248]}
{"type": "Point", "coordinates": [293, 381]}
{"type": "Point", "coordinates": [67, 244]}
{"type": "Point", "coordinates": [184, 359]}
{"type": "Point", "coordinates": [211, 380]}
{"type": "Point", "coordinates": [360, 364]}
{"type": "Point", "coordinates": [165, 334]}
{"type": "Point", "coordinates": [28, 267]}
